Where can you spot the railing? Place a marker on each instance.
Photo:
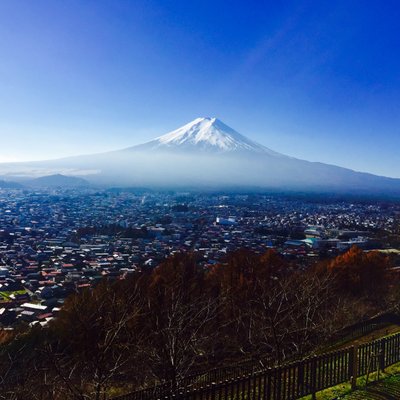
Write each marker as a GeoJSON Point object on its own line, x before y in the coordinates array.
{"type": "Point", "coordinates": [293, 380]}
{"type": "Point", "coordinates": [223, 373]}
{"type": "Point", "coordinates": [200, 379]}
{"type": "Point", "coordinates": [364, 327]}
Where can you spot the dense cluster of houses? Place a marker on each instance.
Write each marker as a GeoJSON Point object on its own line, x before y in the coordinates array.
{"type": "Point", "coordinates": [54, 242]}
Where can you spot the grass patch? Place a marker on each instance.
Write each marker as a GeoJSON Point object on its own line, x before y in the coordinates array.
{"type": "Point", "coordinates": [7, 295]}
{"type": "Point", "coordinates": [388, 388]}
{"type": "Point", "coordinates": [343, 391]}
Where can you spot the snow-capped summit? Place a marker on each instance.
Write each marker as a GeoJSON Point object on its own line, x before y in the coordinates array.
{"type": "Point", "coordinates": [207, 135]}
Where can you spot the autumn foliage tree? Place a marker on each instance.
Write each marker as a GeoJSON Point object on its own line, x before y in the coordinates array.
{"type": "Point", "coordinates": [361, 273]}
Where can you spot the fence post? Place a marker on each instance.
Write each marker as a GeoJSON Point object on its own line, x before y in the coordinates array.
{"type": "Point", "coordinates": [353, 366]}
{"type": "Point", "coordinates": [269, 392]}
{"type": "Point", "coordinates": [278, 383]}
{"type": "Point", "coordinates": [314, 378]}
{"type": "Point", "coordinates": [382, 355]}
{"type": "Point", "coordinates": [213, 391]}
{"type": "Point", "coordinates": [300, 379]}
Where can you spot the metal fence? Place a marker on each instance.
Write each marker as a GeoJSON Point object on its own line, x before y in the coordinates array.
{"type": "Point", "coordinates": [290, 381]}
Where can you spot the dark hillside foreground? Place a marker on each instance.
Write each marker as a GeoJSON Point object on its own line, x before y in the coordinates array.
{"type": "Point", "coordinates": [161, 327]}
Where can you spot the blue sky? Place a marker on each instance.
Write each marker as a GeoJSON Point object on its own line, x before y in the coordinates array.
{"type": "Point", "coordinates": [318, 80]}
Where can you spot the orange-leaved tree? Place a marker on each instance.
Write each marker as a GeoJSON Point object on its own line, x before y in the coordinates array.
{"type": "Point", "coordinates": [361, 273]}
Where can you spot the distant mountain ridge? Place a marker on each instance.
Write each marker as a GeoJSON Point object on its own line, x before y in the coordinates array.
{"type": "Point", "coordinates": [10, 185]}
{"type": "Point", "coordinates": [57, 180]}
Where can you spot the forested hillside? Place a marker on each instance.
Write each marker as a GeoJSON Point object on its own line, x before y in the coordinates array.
{"type": "Point", "coordinates": [163, 325]}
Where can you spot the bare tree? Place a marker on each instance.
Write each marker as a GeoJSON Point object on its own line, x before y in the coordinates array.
{"type": "Point", "coordinates": [179, 335]}
{"type": "Point", "coordinates": [272, 310]}
{"type": "Point", "coordinates": [96, 339]}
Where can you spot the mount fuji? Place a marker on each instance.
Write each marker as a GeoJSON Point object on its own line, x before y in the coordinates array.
{"type": "Point", "coordinates": [207, 135]}
{"type": "Point", "coordinates": [206, 153]}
